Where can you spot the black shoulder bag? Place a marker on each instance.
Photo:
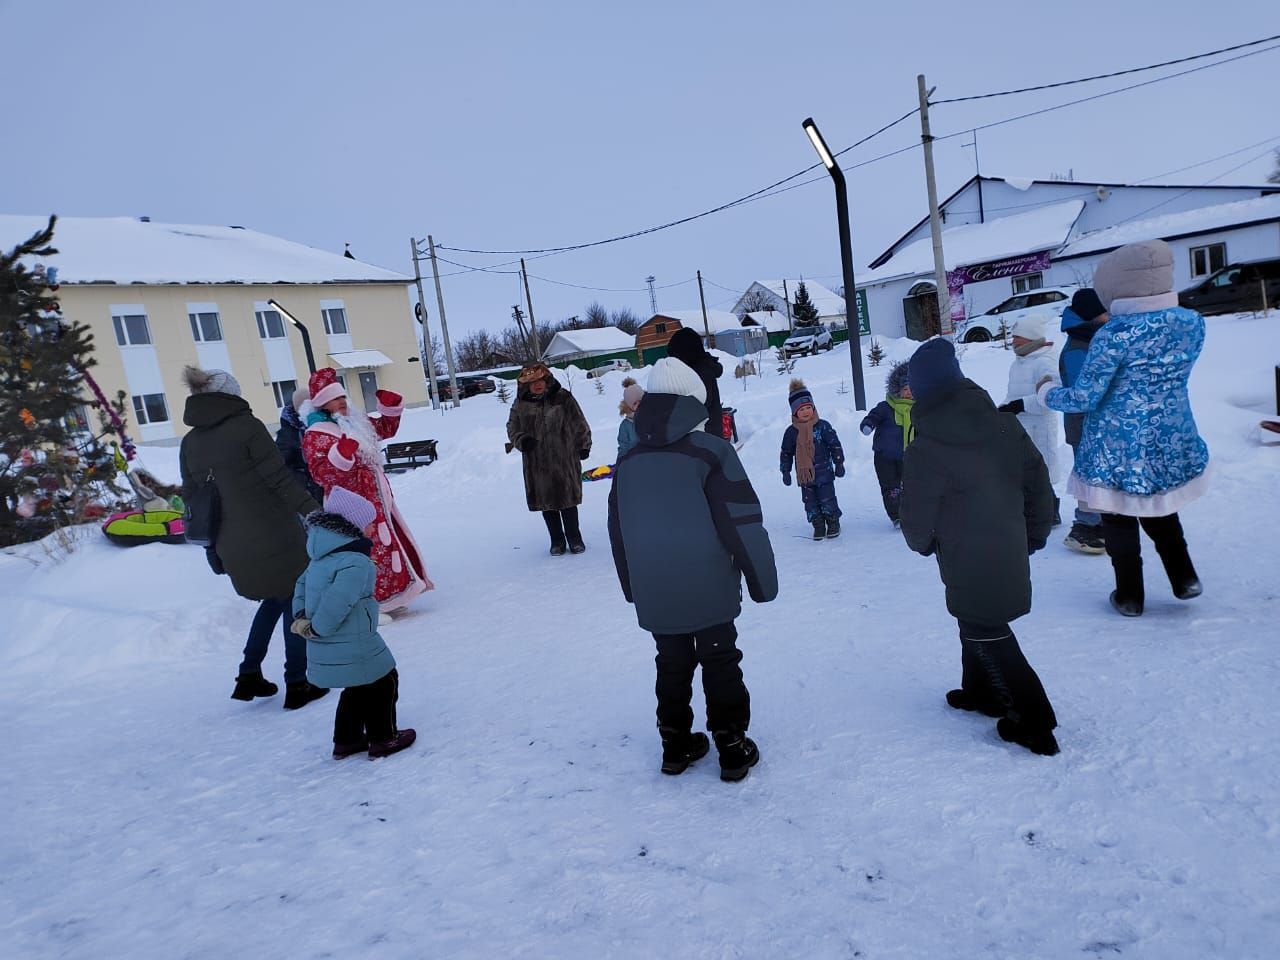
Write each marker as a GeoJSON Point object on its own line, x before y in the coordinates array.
{"type": "Point", "coordinates": [203, 513]}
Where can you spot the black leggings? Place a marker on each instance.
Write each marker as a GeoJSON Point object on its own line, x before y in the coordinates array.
{"type": "Point", "coordinates": [1123, 542]}
{"type": "Point", "coordinates": [995, 670]}
{"type": "Point", "coordinates": [561, 524]}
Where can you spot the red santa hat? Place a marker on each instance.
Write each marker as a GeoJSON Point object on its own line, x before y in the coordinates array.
{"type": "Point", "coordinates": [324, 386]}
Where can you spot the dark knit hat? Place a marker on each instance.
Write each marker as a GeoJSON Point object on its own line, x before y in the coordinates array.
{"type": "Point", "coordinates": [799, 395]}
{"type": "Point", "coordinates": [1087, 305]}
{"type": "Point", "coordinates": [934, 368]}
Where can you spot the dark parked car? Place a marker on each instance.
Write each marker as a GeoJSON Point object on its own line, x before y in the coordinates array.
{"type": "Point", "coordinates": [468, 387]}
{"type": "Point", "coordinates": [1236, 288]}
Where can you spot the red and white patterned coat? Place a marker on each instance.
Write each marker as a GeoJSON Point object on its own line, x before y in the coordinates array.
{"type": "Point", "coordinates": [402, 574]}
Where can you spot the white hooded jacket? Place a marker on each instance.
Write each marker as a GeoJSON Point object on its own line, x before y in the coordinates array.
{"type": "Point", "coordinates": [1039, 421]}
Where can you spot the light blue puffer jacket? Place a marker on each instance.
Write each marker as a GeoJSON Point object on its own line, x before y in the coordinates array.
{"type": "Point", "coordinates": [335, 593]}
{"type": "Point", "coordinates": [1139, 434]}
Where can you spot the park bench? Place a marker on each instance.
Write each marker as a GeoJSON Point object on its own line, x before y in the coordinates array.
{"type": "Point", "coordinates": [410, 454]}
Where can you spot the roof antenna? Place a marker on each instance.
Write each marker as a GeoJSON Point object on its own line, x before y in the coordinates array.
{"type": "Point", "coordinates": [347, 252]}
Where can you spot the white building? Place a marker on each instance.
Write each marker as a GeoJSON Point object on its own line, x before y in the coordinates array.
{"type": "Point", "coordinates": [1006, 236]}
{"type": "Point", "coordinates": [763, 293]}
{"type": "Point", "coordinates": [570, 345]}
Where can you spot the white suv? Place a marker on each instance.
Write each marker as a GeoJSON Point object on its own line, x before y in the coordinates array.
{"type": "Point", "coordinates": [608, 367]}
{"type": "Point", "coordinates": [1046, 301]}
{"type": "Point", "coordinates": [807, 340]}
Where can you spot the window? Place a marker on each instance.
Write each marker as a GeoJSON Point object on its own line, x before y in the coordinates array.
{"type": "Point", "coordinates": [150, 408]}
{"type": "Point", "coordinates": [131, 329]}
{"type": "Point", "coordinates": [283, 391]}
{"type": "Point", "coordinates": [270, 325]}
{"type": "Point", "coordinates": [205, 327]}
{"type": "Point", "coordinates": [335, 320]}
{"type": "Point", "coordinates": [1028, 281]}
{"type": "Point", "coordinates": [1206, 260]}
{"type": "Point", "coordinates": [659, 328]}
{"type": "Point", "coordinates": [1049, 296]}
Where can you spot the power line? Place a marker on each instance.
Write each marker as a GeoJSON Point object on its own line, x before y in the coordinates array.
{"type": "Point", "coordinates": [1176, 196]}
{"type": "Point", "coordinates": [682, 220]}
{"type": "Point", "coordinates": [1107, 76]}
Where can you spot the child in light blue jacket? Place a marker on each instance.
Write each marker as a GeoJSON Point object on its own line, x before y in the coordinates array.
{"type": "Point", "coordinates": [334, 609]}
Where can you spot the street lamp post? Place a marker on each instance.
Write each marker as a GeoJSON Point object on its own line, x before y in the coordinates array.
{"type": "Point", "coordinates": [306, 337]}
{"type": "Point", "coordinates": [846, 261]}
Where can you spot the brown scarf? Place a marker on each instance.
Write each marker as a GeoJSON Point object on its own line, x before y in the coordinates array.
{"type": "Point", "coordinates": [804, 448]}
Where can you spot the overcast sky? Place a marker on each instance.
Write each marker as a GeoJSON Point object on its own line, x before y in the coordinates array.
{"type": "Point", "coordinates": [528, 125]}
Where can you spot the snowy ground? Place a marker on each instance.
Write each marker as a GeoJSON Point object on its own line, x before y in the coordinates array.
{"type": "Point", "coordinates": [149, 816]}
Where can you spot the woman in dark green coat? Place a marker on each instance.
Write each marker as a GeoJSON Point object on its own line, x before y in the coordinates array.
{"type": "Point", "coordinates": [547, 426]}
{"type": "Point", "coordinates": [260, 541]}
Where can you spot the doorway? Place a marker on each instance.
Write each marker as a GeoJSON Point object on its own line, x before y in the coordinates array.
{"type": "Point", "coordinates": [369, 391]}
{"type": "Point", "coordinates": [920, 310]}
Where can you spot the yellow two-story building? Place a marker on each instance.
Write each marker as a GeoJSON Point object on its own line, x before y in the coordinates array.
{"type": "Point", "coordinates": [158, 296]}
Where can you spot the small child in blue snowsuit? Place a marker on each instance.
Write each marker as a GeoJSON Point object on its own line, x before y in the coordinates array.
{"type": "Point", "coordinates": [890, 421]}
{"type": "Point", "coordinates": [813, 445]}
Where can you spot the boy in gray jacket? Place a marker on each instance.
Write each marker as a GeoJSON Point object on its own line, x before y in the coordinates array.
{"type": "Point", "coordinates": [686, 529]}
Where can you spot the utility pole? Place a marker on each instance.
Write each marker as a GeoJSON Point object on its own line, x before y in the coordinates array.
{"type": "Point", "coordinates": [935, 220]}
{"type": "Point", "coordinates": [533, 327]}
{"type": "Point", "coordinates": [786, 297]}
{"type": "Point", "coordinates": [653, 295]}
{"type": "Point", "coordinates": [518, 316]}
{"type": "Point", "coordinates": [428, 360]}
{"type": "Point", "coordinates": [977, 169]}
{"type": "Point", "coordinates": [444, 328]}
{"type": "Point", "coordinates": [706, 327]}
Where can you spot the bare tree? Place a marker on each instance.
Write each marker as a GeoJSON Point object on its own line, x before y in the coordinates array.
{"type": "Point", "coordinates": [596, 316]}
{"type": "Point", "coordinates": [755, 301]}
{"type": "Point", "coordinates": [1275, 174]}
{"type": "Point", "coordinates": [625, 320]}
{"type": "Point", "coordinates": [476, 351]}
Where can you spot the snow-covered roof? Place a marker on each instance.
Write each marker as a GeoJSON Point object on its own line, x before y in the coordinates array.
{"type": "Point", "coordinates": [1202, 220]}
{"type": "Point", "coordinates": [128, 250]}
{"type": "Point", "coordinates": [717, 320]}
{"type": "Point", "coordinates": [775, 321]}
{"type": "Point", "coordinates": [353, 359]}
{"type": "Point", "coordinates": [828, 303]}
{"type": "Point", "coordinates": [1045, 228]}
{"type": "Point", "coordinates": [591, 340]}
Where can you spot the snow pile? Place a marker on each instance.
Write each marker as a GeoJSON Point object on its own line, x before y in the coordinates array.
{"type": "Point", "coordinates": [1202, 220]}
{"type": "Point", "coordinates": [151, 817]}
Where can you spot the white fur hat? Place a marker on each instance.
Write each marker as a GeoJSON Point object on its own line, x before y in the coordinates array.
{"type": "Point", "coordinates": [1030, 327]}
{"type": "Point", "coordinates": [669, 375]}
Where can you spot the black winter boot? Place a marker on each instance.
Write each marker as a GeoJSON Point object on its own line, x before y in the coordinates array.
{"type": "Point", "coordinates": [1129, 596]}
{"type": "Point", "coordinates": [962, 699]}
{"type": "Point", "coordinates": [1042, 742]}
{"type": "Point", "coordinates": [402, 740]}
{"type": "Point", "coordinates": [572, 532]}
{"type": "Point", "coordinates": [250, 685]}
{"type": "Point", "coordinates": [820, 528]}
{"type": "Point", "coordinates": [833, 528]}
{"type": "Point", "coordinates": [1084, 539]}
{"type": "Point", "coordinates": [1172, 548]}
{"type": "Point", "coordinates": [301, 693]}
{"type": "Point", "coordinates": [679, 749]}
{"type": "Point", "coordinates": [555, 527]}
{"type": "Point", "coordinates": [738, 754]}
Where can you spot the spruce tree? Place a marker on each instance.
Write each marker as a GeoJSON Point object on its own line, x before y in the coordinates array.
{"type": "Point", "coordinates": [52, 472]}
{"type": "Point", "coordinates": [876, 354]}
{"type": "Point", "coordinates": [803, 310]}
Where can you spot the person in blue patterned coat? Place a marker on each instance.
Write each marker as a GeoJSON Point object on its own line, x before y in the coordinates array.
{"type": "Point", "coordinates": [1141, 458]}
{"type": "Point", "coordinates": [815, 448]}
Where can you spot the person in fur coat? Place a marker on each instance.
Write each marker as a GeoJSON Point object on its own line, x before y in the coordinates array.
{"type": "Point", "coordinates": [342, 449]}
{"type": "Point", "coordinates": [1034, 361]}
{"type": "Point", "coordinates": [890, 421]}
{"type": "Point", "coordinates": [548, 428]}
{"type": "Point", "coordinates": [812, 444]}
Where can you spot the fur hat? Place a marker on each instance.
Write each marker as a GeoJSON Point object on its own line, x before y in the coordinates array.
{"type": "Point", "coordinates": [352, 507]}
{"type": "Point", "coordinates": [898, 379]}
{"type": "Point", "coordinates": [325, 387]}
{"type": "Point", "coordinates": [934, 369]}
{"type": "Point", "coordinates": [1135, 271]}
{"type": "Point", "coordinates": [671, 376]}
{"type": "Point", "coordinates": [300, 396]}
{"type": "Point", "coordinates": [1029, 327]}
{"type": "Point", "coordinates": [533, 371]}
{"type": "Point", "coordinates": [799, 395]}
{"type": "Point", "coordinates": [210, 381]}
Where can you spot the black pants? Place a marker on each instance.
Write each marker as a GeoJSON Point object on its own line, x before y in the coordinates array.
{"type": "Point", "coordinates": [995, 670]}
{"type": "Point", "coordinates": [1123, 542]}
{"type": "Point", "coordinates": [715, 648]}
{"type": "Point", "coordinates": [889, 473]}
{"type": "Point", "coordinates": [561, 524]}
{"type": "Point", "coordinates": [368, 712]}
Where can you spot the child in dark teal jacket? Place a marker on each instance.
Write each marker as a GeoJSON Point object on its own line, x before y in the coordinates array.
{"type": "Point", "coordinates": [334, 609]}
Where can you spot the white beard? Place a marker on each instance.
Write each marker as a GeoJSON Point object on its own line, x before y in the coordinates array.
{"type": "Point", "coordinates": [359, 427]}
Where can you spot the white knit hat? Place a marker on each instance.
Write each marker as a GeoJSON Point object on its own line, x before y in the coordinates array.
{"type": "Point", "coordinates": [211, 381]}
{"type": "Point", "coordinates": [1029, 327]}
{"type": "Point", "coordinates": [669, 375]}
